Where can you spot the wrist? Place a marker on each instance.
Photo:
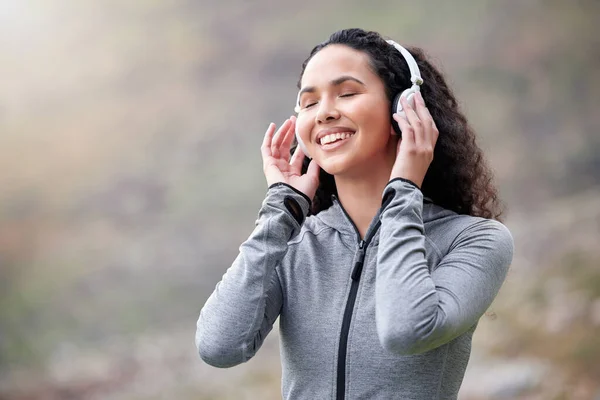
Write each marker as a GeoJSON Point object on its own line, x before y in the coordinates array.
{"type": "Point", "coordinates": [297, 191]}
{"type": "Point", "coordinates": [412, 178]}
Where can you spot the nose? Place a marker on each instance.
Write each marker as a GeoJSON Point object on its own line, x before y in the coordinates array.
{"type": "Point", "coordinates": [327, 112]}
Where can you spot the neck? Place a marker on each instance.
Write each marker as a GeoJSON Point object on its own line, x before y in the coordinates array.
{"type": "Point", "coordinates": [360, 194]}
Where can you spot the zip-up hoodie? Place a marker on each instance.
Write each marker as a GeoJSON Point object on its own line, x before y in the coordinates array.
{"type": "Point", "coordinates": [389, 316]}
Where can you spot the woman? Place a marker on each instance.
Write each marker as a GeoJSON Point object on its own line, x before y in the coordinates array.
{"type": "Point", "coordinates": [380, 288]}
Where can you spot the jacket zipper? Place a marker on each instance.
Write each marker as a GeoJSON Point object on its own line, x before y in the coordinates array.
{"type": "Point", "coordinates": [356, 273]}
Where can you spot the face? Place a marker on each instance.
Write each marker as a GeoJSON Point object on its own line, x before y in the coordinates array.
{"type": "Point", "coordinates": [344, 117]}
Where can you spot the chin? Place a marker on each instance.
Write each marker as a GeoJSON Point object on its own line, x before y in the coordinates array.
{"type": "Point", "coordinates": [336, 164]}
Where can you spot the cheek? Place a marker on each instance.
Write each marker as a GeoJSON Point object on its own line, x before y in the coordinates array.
{"type": "Point", "coordinates": [303, 127]}
{"type": "Point", "coordinates": [374, 117]}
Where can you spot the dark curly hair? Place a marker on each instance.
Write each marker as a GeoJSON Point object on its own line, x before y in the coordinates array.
{"type": "Point", "coordinates": [458, 178]}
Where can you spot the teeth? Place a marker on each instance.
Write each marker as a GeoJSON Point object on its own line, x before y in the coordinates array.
{"type": "Point", "coordinates": [335, 136]}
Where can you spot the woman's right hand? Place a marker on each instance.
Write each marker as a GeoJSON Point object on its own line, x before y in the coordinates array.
{"type": "Point", "coordinates": [277, 165]}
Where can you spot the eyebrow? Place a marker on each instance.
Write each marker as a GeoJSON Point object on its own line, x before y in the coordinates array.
{"type": "Point", "coordinates": [335, 82]}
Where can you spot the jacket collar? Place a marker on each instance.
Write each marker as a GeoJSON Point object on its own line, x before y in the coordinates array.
{"type": "Point", "coordinates": [336, 218]}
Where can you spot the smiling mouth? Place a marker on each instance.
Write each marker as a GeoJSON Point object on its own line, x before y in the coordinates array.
{"type": "Point", "coordinates": [335, 137]}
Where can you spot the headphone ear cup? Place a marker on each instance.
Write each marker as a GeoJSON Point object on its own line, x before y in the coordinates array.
{"type": "Point", "coordinates": [397, 108]}
{"type": "Point", "coordinates": [300, 143]}
{"type": "Point", "coordinates": [409, 95]}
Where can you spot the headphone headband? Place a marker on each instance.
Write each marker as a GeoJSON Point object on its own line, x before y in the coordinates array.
{"type": "Point", "coordinates": [415, 74]}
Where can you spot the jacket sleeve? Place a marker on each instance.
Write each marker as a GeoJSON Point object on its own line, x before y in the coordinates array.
{"type": "Point", "coordinates": [416, 310]}
{"type": "Point", "coordinates": [241, 311]}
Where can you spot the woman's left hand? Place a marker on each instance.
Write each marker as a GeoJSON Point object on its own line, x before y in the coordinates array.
{"type": "Point", "coordinates": [415, 148]}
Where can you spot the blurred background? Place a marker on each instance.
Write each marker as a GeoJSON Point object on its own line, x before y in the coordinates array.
{"type": "Point", "coordinates": [130, 172]}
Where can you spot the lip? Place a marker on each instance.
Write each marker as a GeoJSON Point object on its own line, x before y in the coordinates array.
{"type": "Point", "coordinates": [335, 145]}
{"type": "Point", "coordinates": [328, 131]}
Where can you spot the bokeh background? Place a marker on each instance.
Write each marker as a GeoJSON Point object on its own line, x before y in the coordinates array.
{"type": "Point", "coordinates": [130, 172]}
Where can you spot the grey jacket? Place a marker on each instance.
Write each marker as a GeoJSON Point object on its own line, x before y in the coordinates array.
{"type": "Point", "coordinates": [387, 317]}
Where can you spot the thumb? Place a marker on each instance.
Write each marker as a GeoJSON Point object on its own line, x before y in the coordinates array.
{"type": "Point", "coordinates": [313, 171]}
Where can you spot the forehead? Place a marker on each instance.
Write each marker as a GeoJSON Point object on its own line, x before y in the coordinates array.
{"type": "Point", "coordinates": [334, 61]}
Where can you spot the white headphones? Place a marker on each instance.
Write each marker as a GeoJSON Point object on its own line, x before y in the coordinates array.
{"type": "Point", "coordinates": [408, 94]}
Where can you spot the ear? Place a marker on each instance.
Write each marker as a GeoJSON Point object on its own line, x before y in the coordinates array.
{"type": "Point", "coordinates": [395, 128]}
{"type": "Point", "coordinates": [395, 139]}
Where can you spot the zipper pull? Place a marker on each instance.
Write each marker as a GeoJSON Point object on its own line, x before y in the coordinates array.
{"type": "Point", "coordinates": [359, 262]}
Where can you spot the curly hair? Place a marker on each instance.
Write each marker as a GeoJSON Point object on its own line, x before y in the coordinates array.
{"type": "Point", "coordinates": [458, 178]}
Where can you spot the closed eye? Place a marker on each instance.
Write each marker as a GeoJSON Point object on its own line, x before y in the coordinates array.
{"type": "Point", "coordinates": [342, 95]}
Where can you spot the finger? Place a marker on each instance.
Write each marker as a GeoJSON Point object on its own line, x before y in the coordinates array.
{"type": "Point", "coordinates": [421, 108]}
{"type": "Point", "coordinates": [296, 162]}
{"type": "Point", "coordinates": [426, 119]}
{"type": "Point", "coordinates": [433, 126]}
{"type": "Point", "coordinates": [433, 129]}
{"type": "Point", "coordinates": [414, 121]}
{"type": "Point", "coordinates": [278, 138]}
{"type": "Point", "coordinates": [265, 147]}
{"type": "Point", "coordinates": [288, 138]}
{"type": "Point", "coordinates": [408, 134]}
{"type": "Point", "coordinates": [313, 171]}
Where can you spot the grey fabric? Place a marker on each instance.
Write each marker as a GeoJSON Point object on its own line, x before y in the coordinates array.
{"type": "Point", "coordinates": [429, 274]}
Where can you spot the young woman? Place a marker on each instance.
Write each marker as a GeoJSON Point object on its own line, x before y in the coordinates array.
{"type": "Point", "coordinates": [379, 255]}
